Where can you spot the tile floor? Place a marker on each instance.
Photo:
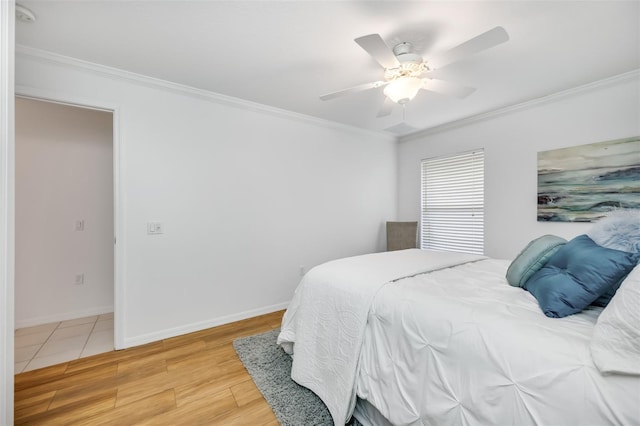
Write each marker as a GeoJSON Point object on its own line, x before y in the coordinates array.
{"type": "Point", "coordinates": [49, 344]}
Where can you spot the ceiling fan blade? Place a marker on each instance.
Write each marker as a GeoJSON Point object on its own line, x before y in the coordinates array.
{"type": "Point", "coordinates": [376, 47]}
{"type": "Point", "coordinates": [354, 89]}
{"type": "Point", "coordinates": [386, 107]}
{"type": "Point", "coordinates": [447, 88]}
{"type": "Point", "coordinates": [470, 47]}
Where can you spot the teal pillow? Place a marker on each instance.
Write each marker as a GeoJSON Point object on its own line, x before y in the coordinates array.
{"type": "Point", "coordinates": [605, 298]}
{"type": "Point", "coordinates": [532, 258]}
{"type": "Point", "coordinates": [579, 273]}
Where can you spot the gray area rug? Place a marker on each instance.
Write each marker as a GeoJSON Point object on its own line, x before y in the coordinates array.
{"type": "Point", "coordinates": [270, 369]}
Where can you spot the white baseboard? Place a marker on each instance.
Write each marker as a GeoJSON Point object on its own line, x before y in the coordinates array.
{"type": "Point", "coordinates": [30, 322]}
{"type": "Point", "coordinates": [190, 328]}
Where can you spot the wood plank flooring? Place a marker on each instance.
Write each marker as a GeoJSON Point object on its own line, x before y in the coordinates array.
{"type": "Point", "coordinates": [194, 379]}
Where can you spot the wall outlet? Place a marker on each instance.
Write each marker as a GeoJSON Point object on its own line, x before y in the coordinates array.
{"type": "Point", "coordinates": [79, 279]}
{"type": "Point", "coordinates": [80, 225]}
{"type": "Point", "coordinates": [155, 228]}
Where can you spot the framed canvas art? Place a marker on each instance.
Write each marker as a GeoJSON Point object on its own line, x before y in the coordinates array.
{"type": "Point", "coordinates": [582, 183]}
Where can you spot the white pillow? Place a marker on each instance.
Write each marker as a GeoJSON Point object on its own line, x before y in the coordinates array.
{"type": "Point", "coordinates": [615, 345]}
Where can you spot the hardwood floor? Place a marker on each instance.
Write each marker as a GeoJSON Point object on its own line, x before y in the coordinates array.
{"type": "Point", "coordinates": [195, 379]}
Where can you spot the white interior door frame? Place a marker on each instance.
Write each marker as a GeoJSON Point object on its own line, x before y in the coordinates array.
{"type": "Point", "coordinates": [118, 205]}
{"type": "Point", "coordinates": [7, 61]}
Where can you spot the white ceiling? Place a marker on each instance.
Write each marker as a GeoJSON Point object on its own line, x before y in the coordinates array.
{"type": "Point", "coordinates": [287, 53]}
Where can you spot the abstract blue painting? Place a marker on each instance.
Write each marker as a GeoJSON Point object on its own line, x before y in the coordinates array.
{"type": "Point", "coordinates": [582, 183]}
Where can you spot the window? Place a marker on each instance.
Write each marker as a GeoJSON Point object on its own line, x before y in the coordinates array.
{"type": "Point", "coordinates": [452, 213]}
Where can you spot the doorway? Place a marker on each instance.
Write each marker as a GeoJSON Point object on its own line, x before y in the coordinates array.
{"type": "Point", "coordinates": [64, 232]}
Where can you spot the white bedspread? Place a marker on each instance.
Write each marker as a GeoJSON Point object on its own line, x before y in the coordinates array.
{"type": "Point", "coordinates": [461, 347]}
{"type": "Point", "coordinates": [324, 325]}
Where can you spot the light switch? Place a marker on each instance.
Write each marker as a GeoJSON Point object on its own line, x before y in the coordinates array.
{"type": "Point", "coordinates": [154, 228]}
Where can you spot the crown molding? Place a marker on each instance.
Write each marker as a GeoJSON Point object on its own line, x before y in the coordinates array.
{"type": "Point", "coordinates": [119, 74]}
{"type": "Point", "coordinates": [218, 98]}
{"type": "Point", "coordinates": [610, 81]}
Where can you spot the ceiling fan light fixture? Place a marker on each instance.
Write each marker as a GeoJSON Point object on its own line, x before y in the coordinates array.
{"type": "Point", "coordinates": [403, 89]}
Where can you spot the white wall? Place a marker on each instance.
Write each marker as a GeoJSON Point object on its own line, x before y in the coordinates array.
{"type": "Point", "coordinates": [246, 195]}
{"type": "Point", "coordinates": [64, 173]}
{"type": "Point", "coordinates": [600, 112]}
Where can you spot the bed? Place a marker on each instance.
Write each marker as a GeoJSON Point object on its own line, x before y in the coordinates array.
{"type": "Point", "coordinates": [421, 337]}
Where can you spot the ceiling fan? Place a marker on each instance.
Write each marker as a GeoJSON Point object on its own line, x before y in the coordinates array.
{"type": "Point", "coordinates": [406, 72]}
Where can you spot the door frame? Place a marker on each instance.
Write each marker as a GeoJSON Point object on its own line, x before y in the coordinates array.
{"type": "Point", "coordinates": [7, 73]}
{"type": "Point", "coordinates": [118, 205]}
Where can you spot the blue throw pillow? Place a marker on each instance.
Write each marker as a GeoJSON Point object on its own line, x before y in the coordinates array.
{"type": "Point", "coordinates": [533, 257]}
{"type": "Point", "coordinates": [606, 297]}
{"type": "Point", "coordinates": [577, 274]}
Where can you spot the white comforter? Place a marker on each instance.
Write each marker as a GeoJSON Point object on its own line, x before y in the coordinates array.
{"type": "Point", "coordinates": [324, 325]}
{"type": "Point", "coordinates": [460, 346]}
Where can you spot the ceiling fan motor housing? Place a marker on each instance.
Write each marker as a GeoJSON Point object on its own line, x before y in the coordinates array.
{"type": "Point", "coordinates": [410, 64]}
{"type": "Point", "coordinates": [402, 48]}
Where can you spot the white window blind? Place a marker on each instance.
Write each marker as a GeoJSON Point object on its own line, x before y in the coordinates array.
{"type": "Point", "coordinates": [452, 216]}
